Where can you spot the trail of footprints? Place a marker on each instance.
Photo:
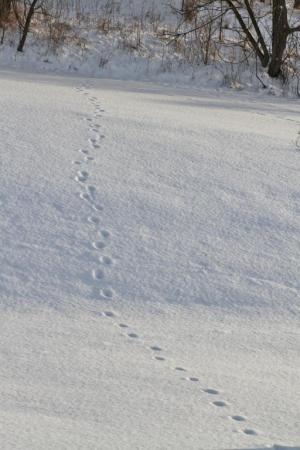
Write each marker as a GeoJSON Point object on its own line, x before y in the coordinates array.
{"type": "Point", "coordinates": [89, 194]}
{"type": "Point", "coordinates": [216, 400]}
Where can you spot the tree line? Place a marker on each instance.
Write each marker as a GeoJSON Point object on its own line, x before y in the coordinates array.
{"type": "Point", "coordinates": [267, 31]}
{"type": "Point", "coordinates": [268, 45]}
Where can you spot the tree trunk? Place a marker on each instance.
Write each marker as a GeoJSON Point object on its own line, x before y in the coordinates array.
{"type": "Point", "coordinates": [280, 32]}
{"type": "Point", "coordinates": [28, 19]}
{"type": "Point", "coordinates": [258, 44]}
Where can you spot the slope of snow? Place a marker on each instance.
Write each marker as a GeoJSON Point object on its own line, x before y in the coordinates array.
{"type": "Point", "coordinates": [149, 267]}
{"type": "Point", "coordinates": [135, 44]}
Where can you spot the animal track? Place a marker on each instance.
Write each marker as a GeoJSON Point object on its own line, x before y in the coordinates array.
{"type": "Point", "coordinates": [91, 190]}
{"type": "Point", "coordinates": [98, 274]}
{"type": "Point", "coordinates": [211, 391]}
{"type": "Point", "coordinates": [220, 403]}
{"type": "Point", "coordinates": [107, 293]}
{"type": "Point", "coordinates": [85, 196]}
{"type": "Point", "coordinates": [238, 418]}
{"type": "Point", "coordinates": [82, 175]}
{"type": "Point", "coordinates": [99, 245]}
{"type": "Point", "coordinates": [93, 220]}
{"type": "Point", "coordinates": [155, 348]}
{"type": "Point", "coordinates": [97, 208]}
{"type": "Point", "coordinates": [133, 335]}
{"type": "Point", "coordinates": [249, 431]}
{"type": "Point", "coordinates": [106, 260]}
{"type": "Point", "coordinates": [108, 314]}
{"type": "Point", "coordinates": [94, 143]}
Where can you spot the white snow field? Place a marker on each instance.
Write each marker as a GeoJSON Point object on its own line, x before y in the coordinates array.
{"type": "Point", "coordinates": [150, 262]}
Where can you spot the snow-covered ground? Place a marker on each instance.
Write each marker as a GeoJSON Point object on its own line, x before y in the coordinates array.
{"type": "Point", "coordinates": [150, 260]}
{"type": "Point", "coordinates": [114, 56]}
{"type": "Point", "coordinates": [132, 41]}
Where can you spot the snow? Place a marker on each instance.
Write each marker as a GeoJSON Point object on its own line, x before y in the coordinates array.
{"type": "Point", "coordinates": [136, 46]}
{"type": "Point", "coordinates": [147, 229]}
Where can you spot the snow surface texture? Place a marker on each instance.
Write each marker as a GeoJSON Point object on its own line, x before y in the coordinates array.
{"type": "Point", "coordinates": [149, 267]}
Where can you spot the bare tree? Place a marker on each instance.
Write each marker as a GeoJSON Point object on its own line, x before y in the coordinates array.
{"type": "Point", "coordinates": [28, 9]}
{"type": "Point", "coordinates": [281, 30]}
{"type": "Point", "coordinates": [270, 52]}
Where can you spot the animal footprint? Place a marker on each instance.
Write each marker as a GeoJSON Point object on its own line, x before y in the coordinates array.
{"type": "Point", "coordinates": [180, 369]}
{"type": "Point", "coordinates": [105, 233]}
{"type": "Point", "coordinates": [211, 391]}
{"type": "Point", "coordinates": [98, 274]}
{"type": "Point", "coordinates": [91, 190]}
{"type": "Point", "coordinates": [85, 196]}
{"type": "Point", "coordinates": [93, 220]}
{"type": "Point", "coordinates": [96, 146]}
{"type": "Point", "coordinates": [107, 293]}
{"type": "Point", "coordinates": [155, 348]}
{"type": "Point", "coordinates": [133, 335]}
{"type": "Point", "coordinates": [238, 418]}
{"type": "Point", "coordinates": [108, 314]}
{"type": "Point", "coordinates": [249, 431]}
{"type": "Point", "coordinates": [220, 403]}
{"type": "Point", "coordinates": [159, 358]}
{"type": "Point", "coordinates": [123, 325]}
{"type": "Point", "coordinates": [94, 143]}
{"type": "Point", "coordinates": [98, 245]}
{"type": "Point", "coordinates": [82, 175]}
{"type": "Point", "coordinates": [195, 379]}
{"type": "Point", "coordinates": [106, 260]}
{"type": "Point", "coordinates": [97, 208]}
